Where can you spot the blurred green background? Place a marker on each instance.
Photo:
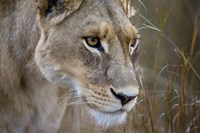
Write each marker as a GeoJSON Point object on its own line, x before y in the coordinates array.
{"type": "Point", "coordinates": [169, 62]}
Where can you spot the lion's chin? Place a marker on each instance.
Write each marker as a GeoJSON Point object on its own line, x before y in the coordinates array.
{"type": "Point", "coordinates": [106, 120]}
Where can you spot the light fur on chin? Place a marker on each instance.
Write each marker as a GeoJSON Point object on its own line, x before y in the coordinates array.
{"type": "Point", "coordinates": [106, 120]}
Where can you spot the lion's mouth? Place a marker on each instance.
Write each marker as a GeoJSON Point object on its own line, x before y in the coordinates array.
{"type": "Point", "coordinates": [105, 116]}
{"type": "Point", "coordinates": [95, 107]}
{"type": "Point", "coordinates": [120, 111]}
{"type": "Point", "coordinates": [117, 112]}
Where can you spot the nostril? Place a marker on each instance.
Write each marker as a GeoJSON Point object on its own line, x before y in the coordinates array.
{"type": "Point", "coordinates": [123, 98]}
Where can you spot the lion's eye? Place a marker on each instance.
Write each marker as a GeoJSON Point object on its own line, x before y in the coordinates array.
{"type": "Point", "coordinates": [134, 44]}
{"type": "Point", "coordinates": [93, 41]}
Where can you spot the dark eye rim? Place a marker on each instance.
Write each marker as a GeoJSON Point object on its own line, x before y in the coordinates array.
{"type": "Point", "coordinates": [136, 50]}
{"type": "Point", "coordinates": [135, 41]}
{"type": "Point", "coordinates": [97, 46]}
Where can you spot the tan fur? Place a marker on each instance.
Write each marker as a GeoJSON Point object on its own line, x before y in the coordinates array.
{"type": "Point", "coordinates": [43, 56]}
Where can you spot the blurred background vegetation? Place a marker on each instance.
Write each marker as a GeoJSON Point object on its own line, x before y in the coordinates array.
{"type": "Point", "coordinates": [169, 100]}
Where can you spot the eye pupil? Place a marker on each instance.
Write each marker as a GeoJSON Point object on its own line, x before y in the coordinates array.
{"type": "Point", "coordinates": [134, 43]}
{"type": "Point", "coordinates": [93, 39]}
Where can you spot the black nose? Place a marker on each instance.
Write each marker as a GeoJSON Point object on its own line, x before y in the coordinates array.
{"type": "Point", "coordinates": [123, 98]}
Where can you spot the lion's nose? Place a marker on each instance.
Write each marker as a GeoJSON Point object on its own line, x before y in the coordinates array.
{"type": "Point", "coordinates": [122, 97]}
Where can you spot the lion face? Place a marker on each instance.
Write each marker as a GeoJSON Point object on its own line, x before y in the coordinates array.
{"type": "Point", "coordinates": [91, 50]}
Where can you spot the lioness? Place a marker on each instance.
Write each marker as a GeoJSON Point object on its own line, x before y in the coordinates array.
{"type": "Point", "coordinates": [49, 46]}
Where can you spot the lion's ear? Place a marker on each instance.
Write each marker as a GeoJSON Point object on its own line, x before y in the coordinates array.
{"type": "Point", "coordinates": [54, 11]}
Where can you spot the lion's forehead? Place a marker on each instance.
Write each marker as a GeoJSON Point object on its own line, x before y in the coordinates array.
{"type": "Point", "coordinates": [95, 12]}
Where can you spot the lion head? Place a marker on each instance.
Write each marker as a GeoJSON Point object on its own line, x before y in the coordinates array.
{"type": "Point", "coordinates": [91, 46]}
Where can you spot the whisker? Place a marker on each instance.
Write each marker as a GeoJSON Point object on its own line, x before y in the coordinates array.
{"type": "Point", "coordinates": [140, 101]}
{"type": "Point", "coordinates": [72, 100]}
{"type": "Point", "coordinates": [137, 26]}
{"type": "Point", "coordinates": [143, 5]}
{"type": "Point", "coordinates": [151, 27]}
{"type": "Point", "coordinates": [72, 103]}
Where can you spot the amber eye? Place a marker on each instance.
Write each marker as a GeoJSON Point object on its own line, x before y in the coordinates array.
{"type": "Point", "coordinates": [93, 41]}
